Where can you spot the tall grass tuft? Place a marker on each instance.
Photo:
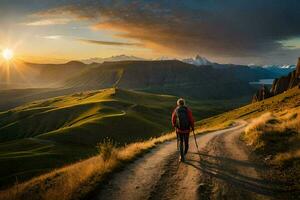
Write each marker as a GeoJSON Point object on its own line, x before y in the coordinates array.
{"type": "Point", "coordinates": [271, 131]}
{"type": "Point", "coordinates": [106, 148]}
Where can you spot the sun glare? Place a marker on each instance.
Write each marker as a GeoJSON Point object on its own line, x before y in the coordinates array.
{"type": "Point", "coordinates": [7, 54]}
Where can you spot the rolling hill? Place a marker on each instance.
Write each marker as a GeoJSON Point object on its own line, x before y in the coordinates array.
{"type": "Point", "coordinates": [94, 110]}
{"type": "Point", "coordinates": [39, 136]}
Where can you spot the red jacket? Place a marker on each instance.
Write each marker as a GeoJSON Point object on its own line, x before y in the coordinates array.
{"type": "Point", "coordinates": [191, 120]}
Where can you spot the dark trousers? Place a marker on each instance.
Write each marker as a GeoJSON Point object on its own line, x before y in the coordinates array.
{"type": "Point", "coordinates": [184, 143]}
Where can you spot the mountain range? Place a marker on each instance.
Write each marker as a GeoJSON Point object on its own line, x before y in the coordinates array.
{"type": "Point", "coordinates": [281, 70]}
{"type": "Point", "coordinates": [168, 77]}
{"type": "Point", "coordinates": [197, 60]}
{"type": "Point", "coordinates": [31, 75]}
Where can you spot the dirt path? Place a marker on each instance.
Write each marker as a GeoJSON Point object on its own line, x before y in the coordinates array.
{"type": "Point", "coordinates": [221, 171]}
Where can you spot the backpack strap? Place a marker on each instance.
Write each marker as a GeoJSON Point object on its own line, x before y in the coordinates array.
{"type": "Point", "coordinates": [177, 118]}
{"type": "Point", "coordinates": [177, 115]}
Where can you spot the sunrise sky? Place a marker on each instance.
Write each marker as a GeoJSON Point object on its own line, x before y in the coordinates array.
{"type": "Point", "coordinates": [232, 31]}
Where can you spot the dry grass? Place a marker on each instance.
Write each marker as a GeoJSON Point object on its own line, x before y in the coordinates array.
{"type": "Point", "coordinates": [255, 130]}
{"type": "Point", "coordinates": [276, 137]}
{"type": "Point", "coordinates": [274, 129]}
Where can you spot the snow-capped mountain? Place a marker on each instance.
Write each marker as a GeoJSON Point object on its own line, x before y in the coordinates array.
{"type": "Point", "coordinates": [112, 58]}
{"type": "Point", "coordinates": [279, 70]}
{"type": "Point", "coordinates": [292, 67]}
{"type": "Point", "coordinates": [198, 61]}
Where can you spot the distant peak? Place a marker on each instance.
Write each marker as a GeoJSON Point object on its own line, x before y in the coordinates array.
{"type": "Point", "coordinates": [198, 61]}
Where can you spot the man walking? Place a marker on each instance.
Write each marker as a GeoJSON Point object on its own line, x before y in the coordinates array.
{"type": "Point", "coordinates": [183, 122]}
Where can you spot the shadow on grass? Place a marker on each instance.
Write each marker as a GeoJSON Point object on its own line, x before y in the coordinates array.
{"type": "Point", "coordinates": [221, 168]}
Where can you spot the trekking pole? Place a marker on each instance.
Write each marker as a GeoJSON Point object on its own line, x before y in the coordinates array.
{"type": "Point", "coordinates": [177, 139]}
{"type": "Point", "coordinates": [196, 143]}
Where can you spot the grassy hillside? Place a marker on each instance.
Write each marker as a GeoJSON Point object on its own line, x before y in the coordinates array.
{"type": "Point", "coordinates": [10, 98]}
{"type": "Point", "coordinates": [275, 137]}
{"type": "Point", "coordinates": [83, 118]}
{"type": "Point", "coordinates": [288, 100]}
{"type": "Point", "coordinates": [41, 135]}
{"type": "Point", "coordinates": [44, 134]}
{"type": "Point", "coordinates": [87, 115]}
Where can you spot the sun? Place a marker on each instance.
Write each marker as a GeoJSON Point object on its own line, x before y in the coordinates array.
{"type": "Point", "coordinates": [7, 54]}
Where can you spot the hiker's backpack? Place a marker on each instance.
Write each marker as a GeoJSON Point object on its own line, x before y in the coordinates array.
{"type": "Point", "coordinates": [182, 121]}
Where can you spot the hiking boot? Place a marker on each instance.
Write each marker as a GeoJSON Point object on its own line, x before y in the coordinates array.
{"type": "Point", "coordinates": [181, 159]}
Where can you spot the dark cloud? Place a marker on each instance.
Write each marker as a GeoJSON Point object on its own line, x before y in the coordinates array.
{"type": "Point", "coordinates": [231, 28]}
{"type": "Point", "coordinates": [101, 42]}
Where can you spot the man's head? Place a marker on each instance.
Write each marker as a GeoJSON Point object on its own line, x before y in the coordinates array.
{"type": "Point", "coordinates": [180, 102]}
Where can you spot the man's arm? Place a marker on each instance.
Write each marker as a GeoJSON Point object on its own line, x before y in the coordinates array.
{"type": "Point", "coordinates": [191, 119]}
{"type": "Point", "coordinates": [174, 118]}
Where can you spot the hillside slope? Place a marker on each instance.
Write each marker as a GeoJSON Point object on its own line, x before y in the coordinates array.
{"type": "Point", "coordinates": [285, 101]}
{"type": "Point", "coordinates": [81, 113]}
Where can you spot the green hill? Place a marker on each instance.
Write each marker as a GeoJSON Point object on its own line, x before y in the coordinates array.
{"type": "Point", "coordinates": [89, 115]}
{"type": "Point", "coordinates": [41, 135]}
{"type": "Point", "coordinates": [86, 117]}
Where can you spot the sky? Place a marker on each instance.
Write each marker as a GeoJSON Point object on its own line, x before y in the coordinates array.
{"type": "Point", "coordinates": [228, 31]}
